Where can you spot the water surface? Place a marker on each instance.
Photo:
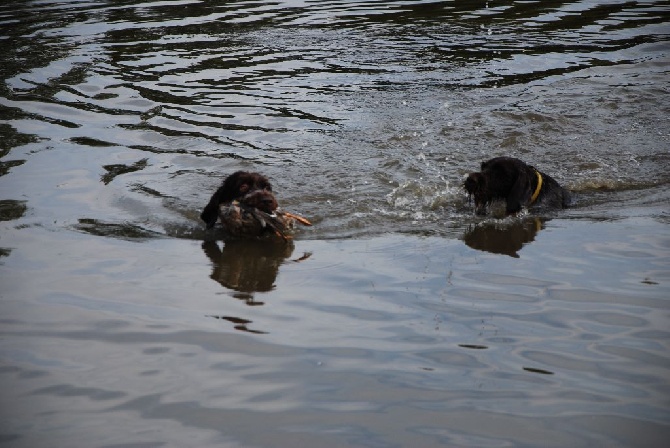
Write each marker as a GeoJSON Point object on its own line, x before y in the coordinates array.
{"type": "Point", "coordinates": [400, 318]}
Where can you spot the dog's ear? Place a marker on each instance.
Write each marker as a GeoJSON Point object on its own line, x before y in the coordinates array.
{"type": "Point", "coordinates": [519, 194]}
{"type": "Point", "coordinates": [211, 210]}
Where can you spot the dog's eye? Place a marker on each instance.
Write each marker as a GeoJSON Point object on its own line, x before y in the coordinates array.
{"type": "Point", "coordinates": [244, 188]}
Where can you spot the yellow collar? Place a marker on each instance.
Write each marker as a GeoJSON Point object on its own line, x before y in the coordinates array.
{"type": "Point", "coordinates": [533, 198]}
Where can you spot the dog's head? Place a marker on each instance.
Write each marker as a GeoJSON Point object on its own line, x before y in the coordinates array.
{"type": "Point", "coordinates": [476, 186]}
{"type": "Point", "coordinates": [500, 178]}
{"type": "Point", "coordinates": [250, 189]}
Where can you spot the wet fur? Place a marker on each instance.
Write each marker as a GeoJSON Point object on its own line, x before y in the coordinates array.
{"type": "Point", "coordinates": [513, 181]}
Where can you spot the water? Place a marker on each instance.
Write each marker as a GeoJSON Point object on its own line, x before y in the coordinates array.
{"type": "Point", "coordinates": [400, 318]}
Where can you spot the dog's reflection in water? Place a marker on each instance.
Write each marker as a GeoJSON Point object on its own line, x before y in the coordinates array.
{"type": "Point", "coordinates": [246, 267]}
{"type": "Point", "coordinates": [503, 237]}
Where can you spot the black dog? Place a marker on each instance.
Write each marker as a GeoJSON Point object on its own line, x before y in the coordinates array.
{"type": "Point", "coordinates": [519, 184]}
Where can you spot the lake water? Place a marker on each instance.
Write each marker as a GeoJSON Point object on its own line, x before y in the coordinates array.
{"type": "Point", "coordinates": [400, 319]}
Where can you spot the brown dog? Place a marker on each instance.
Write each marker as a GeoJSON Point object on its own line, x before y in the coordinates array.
{"type": "Point", "coordinates": [250, 189]}
{"type": "Point", "coordinates": [246, 207]}
{"type": "Point", "coordinates": [519, 184]}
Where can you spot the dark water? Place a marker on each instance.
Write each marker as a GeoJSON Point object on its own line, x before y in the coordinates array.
{"type": "Point", "coordinates": [400, 318]}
